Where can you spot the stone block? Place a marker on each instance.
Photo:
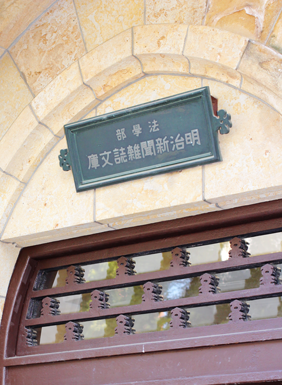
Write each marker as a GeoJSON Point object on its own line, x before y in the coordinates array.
{"type": "Point", "coordinates": [106, 55]}
{"type": "Point", "coordinates": [175, 11]}
{"type": "Point", "coordinates": [17, 15]}
{"type": "Point", "coordinates": [53, 42]}
{"type": "Point", "coordinates": [164, 63]}
{"type": "Point", "coordinates": [215, 45]}
{"type": "Point", "coordinates": [64, 100]}
{"type": "Point", "coordinates": [251, 18]}
{"type": "Point", "coordinates": [50, 201]}
{"type": "Point", "coordinates": [8, 254]}
{"type": "Point", "coordinates": [10, 190]}
{"type": "Point", "coordinates": [115, 77]}
{"type": "Point", "coordinates": [263, 65]}
{"type": "Point", "coordinates": [261, 91]}
{"type": "Point", "coordinates": [14, 95]}
{"type": "Point", "coordinates": [159, 39]}
{"type": "Point", "coordinates": [24, 146]}
{"type": "Point", "coordinates": [148, 89]}
{"type": "Point", "coordinates": [206, 68]}
{"type": "Point", "coordinates": [100, 21]}
{"type": "Point", "coordinates": [275, 39]}
{"type": "Point", "coordinates": [252, 160]}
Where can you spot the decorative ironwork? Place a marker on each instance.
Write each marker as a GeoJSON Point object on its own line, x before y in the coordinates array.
{"type": "Point", "coordinates": [99, 300]}
{"type": "Point", "coordinates": [209, 284]}
{"type": "Point", "coordinates": [224, 121]}
{"type": "Point", "coordinates": [65, 161]}
{"type": "Point", "coordinates": [239, 311]}
{"type": "Point", "coordinates": [31, 337]}
{"type": "Point", "coordinates": [270, 275]}
{"type": "Point", "coordinates": [152, 292]}
{"type": "Point", "coordinates": [180, 257]}
{"type": "Point", "coordinates": [73, 332]}
{"type": "Point", "coordinates": [50, 306]}
{"type": "Point", "coordinates": [125, 266]}
{"type": "Point", "coordinates": [124, 325]}
{"type": "Point", "coordinates": [239, 248]}
{"type": "Point", "coordinates": [179, 318]}
{"type": "Point", "coordinates": [75, 275]}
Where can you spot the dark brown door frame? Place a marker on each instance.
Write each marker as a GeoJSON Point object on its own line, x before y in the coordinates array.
{"type": "Point", "coordinates": [251, 359]}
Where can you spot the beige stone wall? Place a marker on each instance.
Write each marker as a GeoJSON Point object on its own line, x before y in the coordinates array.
{"type": "Point", "coordinates": [61, 61]}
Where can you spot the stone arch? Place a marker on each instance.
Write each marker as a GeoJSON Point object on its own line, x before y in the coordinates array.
{"type": "Point", "coordinates": [192, 52]}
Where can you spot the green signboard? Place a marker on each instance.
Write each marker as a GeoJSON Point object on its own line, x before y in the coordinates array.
{"type": "Point", "coordinates": [161, 136]}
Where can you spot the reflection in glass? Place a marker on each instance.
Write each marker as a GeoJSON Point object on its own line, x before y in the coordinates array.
{"type": "Point", "coordinates": [209, 315]}
{"type": "Point", "coordinates": [265, 244]}
{"type": "Point", "coordinates": [216, 252]}
{"type": "Point", "coordinates": [239, 280]}
{"type": "Point", "coordinates": [152, 322]}
{"type": "Point", "coordinates": [265, 308]}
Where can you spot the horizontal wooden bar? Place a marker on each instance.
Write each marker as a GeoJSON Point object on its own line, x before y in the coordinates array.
{"type": "Point", "coordinates": [200, 300]}
{"type": "Point", "coordinates": [164, 275]}
{"type": "Point", "coordinates": [189, 338]}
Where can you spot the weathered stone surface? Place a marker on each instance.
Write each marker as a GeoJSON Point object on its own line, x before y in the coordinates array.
{"type": "Point", "coordinates": [275, 39]}
{"type": "Point", "coordinates": [106, 55]}
{"type": "Point", "coordinates": [101, 20]}
{"type": "Point", "coordinates": [175, 11]}
{"type": "Point", "coordinates": [10, 190]}
{"type": "Point", "coordinates": [50, 201]}
{"type": "Point", "coordinates": [215, 45]}
{"type": "Point", "coordinates": [117, 76]}
{"type": "Point", "coordinates": [9, 254]}
{"type": "Point", "coordinates": [53, 42]}
{"type": "Point", "coordinates": [250, 18]}
{"type": "Point", "coordinates": [148, 89]}
{"type": "Point", "coordinates": [217, 71]}
{"type": "Point", "coordinates": [261, 91]}
{"type": "Point", "coordinates": [15, 17]}
{"type": "Point", "coordinates": [24, 146]}
{"type": "Point", "coordinates": [166, 39]}
{"type": "Point", "coordinates": [263, 65]}
{"type": "Point", "coordinates": [164, 62]}
{"type": "Point", "coordinates": [252, 160]}
{"type": "Point", "coordinates": [64, 100]}
{"type": "Point", "coordinates": [2, 50]}
{"type": "Point", "coordinates": [14, 95]}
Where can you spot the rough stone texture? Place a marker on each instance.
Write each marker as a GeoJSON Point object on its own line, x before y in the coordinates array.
{"type": "Point", "coordinates": [251, 158]}
{"type": "Point", "coordinates": [158, 192]}
{"type": "Point", "coordinates": [263, 65]}
{"type": "Point", "coordinates": [258, 89]}
{"type": "Point", "coordinates": [212, 44]}
{"type": "Point", "coordinates": [175, 11]}
{"type": "Point", "coordinates": [167, 39]}
{"type": "Point", "coordinates": [15, 17]}
{"type": "Point", "coordinates": [106, 55]}
{"type": "Point", "coordinates": [10, 190]}
{"type": "Point", "coordinates": [8, 254]}
{"type": "Point", "coordinates": [14, 95]}
{"type": "Point", "coordinates": [64, 100]}
{"type": "Point", "coordinates": [148, 89]}
{"type": "Point", "coordinates": [210, 69]}
{"type": "Point", "coordinates": [117, 76]}
{"type": "Point", "coordinates": [275, 39]}
{"type": "Point", "coordinates": [50, 201]}
{"type": "Point", "coordinates": [2, 50]}
{"type": "Point", "coordinates": [53, 42]}
{"type": "Point", "coordinates": [250, 18]}
{"type": "Point", "coordinates": [24, 146]}
{"type": "Point", "coordinates": [101, 20]}
{"type": "Point", "coordinates": [164, 62]}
